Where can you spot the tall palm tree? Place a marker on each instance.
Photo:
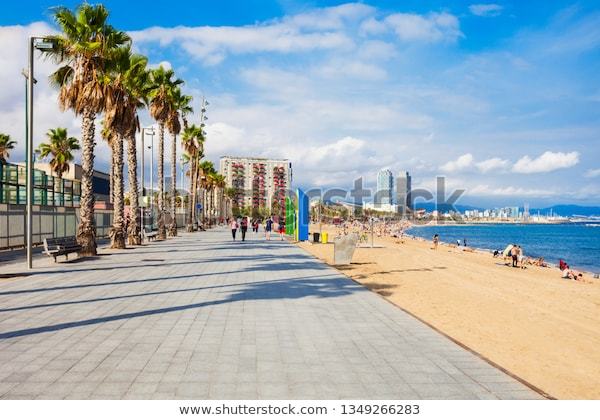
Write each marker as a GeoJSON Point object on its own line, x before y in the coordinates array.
{"type": "Point", "coordinates": [137, 82]}
{"type": "Point", "coordinates": [206, 169]}
{"type": "Point", "coordinates": [61, 148]}
{"type": "Point", "coordinates": [181, 108]}
{"type": "Point", "coordinates": [230, 194]}
{"type": "Point", "coordinates": [83, 47]}
{"type": "Point", "coordinates": [126, 84]}
{"type": "Point", "coordinates": [161, 109]}
{"type": "Point", "coordinates": [219, 184]}
{"type": "Point", "coordinates": [6, 144]}
{"type": "Point", "coordinates": [193, 144]}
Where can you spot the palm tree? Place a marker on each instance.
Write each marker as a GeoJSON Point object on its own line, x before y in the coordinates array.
{"type": "Point", "coordinates": [61, 147]}
{"type": "Point", "coordinates": [6, 144]}
{"type": "Point", "coordinates": [180, 109]}
{"type": "Point", "coordinates": [86, 43]}
{"type": "Point", "coordinates": [137, 82]}
{"type": "Point", "coordinates": [230, 194]}
{"type": "Point", "coordinates": [220, 185]}
{"type": "Point", "coordinates": [161, 109]}
{"type": "Point", "coordinates": [126, 81]}
{"type": "Point", "coordinates": [205, 168]}
{"type": "Point", "coordinates": [193, 144]}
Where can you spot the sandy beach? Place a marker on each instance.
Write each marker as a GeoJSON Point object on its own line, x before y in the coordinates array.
{"type": "Point", "coordinates": [544, 329]}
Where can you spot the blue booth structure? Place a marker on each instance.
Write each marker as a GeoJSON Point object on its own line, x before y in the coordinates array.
{"type": "Point", "coordinates": [302, 216]}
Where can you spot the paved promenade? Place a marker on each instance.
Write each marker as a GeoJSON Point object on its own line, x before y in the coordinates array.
{"type": "Point", "coordinates": [200, 317]}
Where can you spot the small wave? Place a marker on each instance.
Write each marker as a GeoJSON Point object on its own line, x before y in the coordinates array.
{"type": "Point", "coordinates": [592, 224]}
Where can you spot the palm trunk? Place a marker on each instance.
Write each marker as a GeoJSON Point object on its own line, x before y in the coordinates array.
{"type": "Point", "coordinates": [173, 226]}
{"type": "Point", "coordinates": [86, 231]}
{"type": "Point", "coordinates": [118, 227]}
{"type": "Point", "coordinates": [162, 230]}
{"type": "Point", "coordinates": [192, 196]}
{"type": "Point", "coordinates": [133, 234]}
{"type": "Point", "coordinates": [111, 192]}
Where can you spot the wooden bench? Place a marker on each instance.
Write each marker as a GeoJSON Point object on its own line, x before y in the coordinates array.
{"type": "Point", "coordinates": [150, 235]}
{"type": "Point", "coordinates": [53, 247]}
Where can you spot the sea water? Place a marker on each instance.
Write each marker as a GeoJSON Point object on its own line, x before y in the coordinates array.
{"type": "Point", "coordinates": [576, 243]}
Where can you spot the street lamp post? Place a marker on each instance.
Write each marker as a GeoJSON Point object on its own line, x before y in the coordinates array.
{"type": "Point", "coordinates": [42, 45]}
{"type": "Point", "coordinates": [151, 148]}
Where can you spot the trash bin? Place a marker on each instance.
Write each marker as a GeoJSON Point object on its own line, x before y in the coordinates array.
{"type": "Point", "coordinates": [316, 237]}
{"type": "Point", "coordinates": [324, 237]}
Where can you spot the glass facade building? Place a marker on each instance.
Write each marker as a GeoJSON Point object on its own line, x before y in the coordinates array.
{"type": "Point", "coordinates": [47, 190]}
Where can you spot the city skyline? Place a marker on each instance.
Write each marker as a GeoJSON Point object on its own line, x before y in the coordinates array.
{"type": "Point", "coordinates": [499, 97]}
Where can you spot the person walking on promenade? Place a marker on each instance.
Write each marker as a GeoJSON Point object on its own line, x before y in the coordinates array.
{"type": "Point", "coordinates": [436, 240]}
{"type": "Point", "coordinates": [255, 226]}
{"type": "Point", "coordinates": [268, 228]}
{"type": "Point", "coordinates": [234, 226]}
{"type": "Point", "coordinates": [244, 227]}
{"type": "Point", "coordinates": [281, 228]}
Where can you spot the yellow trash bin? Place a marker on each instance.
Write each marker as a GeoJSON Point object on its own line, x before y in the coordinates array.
{"type": "Point", "coordinates": [324, 237]}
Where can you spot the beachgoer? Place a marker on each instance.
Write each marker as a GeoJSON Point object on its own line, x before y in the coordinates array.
{"type": "Point", "coordinates": [458, 242]}
{"type": "Point", "coordinates": [234, 226]}
{"type": "Point", "coordinates": [281, 228]}
{"type": "Point", "coordinates": [436, 240]}
{"type": "Point", "coordinates": [496, 253]}
{"type": "Point", "coordinates": [514, 254]}
{"type": "Point", "coordinates": [562, 264]}
{"type": "Point", "coordinates": [268, 228]}
{"type": "Point", "coordinates": [244, 227]}
{"type": "Point", "coordinates": [464, 242]}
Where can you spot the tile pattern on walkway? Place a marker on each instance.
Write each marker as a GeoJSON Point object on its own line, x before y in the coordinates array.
{"type": "Point", "coordinates": [199, 317]}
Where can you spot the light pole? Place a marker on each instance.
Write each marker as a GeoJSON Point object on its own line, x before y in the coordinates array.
{"type": "Point", "coordinates": [182, 168]}
{"type": "Point", "coordinates": [42, 45]}
{"type": "Point", "coordinates": [144, 170]}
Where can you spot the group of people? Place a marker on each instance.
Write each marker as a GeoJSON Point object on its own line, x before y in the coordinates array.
{"type": "Point", "coordinates": [242, 223]}
{"type": "Point", "coordinates": [568, 273]}
{"type": "Point", "coordinates": [381, 228]}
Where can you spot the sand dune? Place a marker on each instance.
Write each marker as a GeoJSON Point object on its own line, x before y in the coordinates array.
{"type": "Point", "coordinates": [531, 322]}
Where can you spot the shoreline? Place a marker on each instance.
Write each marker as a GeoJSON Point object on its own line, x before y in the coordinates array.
{"type": "Point", "coordinates": [589, 271]}
{"type": "Point", "coordinates": [513, 317]}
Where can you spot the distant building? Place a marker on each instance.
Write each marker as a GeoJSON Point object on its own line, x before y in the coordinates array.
{"type": "Point", "coordinates": [259, 181]}
{"type": "Point", "coordinates": [403, 193]}
{"type": "Point", "coordinates": [383, 207]}
{"type": "Point", "coordinates": [100, 180]}
{"type": "Point", "coordinates": [385, 186]}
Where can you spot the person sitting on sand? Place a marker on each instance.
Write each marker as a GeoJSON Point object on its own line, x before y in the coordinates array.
{"type": "Point", "coordinates": [572, 274]}
{"type": "Point", "coordinates": [496, 253]}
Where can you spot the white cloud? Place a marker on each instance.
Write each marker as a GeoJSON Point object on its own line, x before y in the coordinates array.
{"type": "Point", "coordinates": [321, 29]}
{"type": "Point", "coordinates": [592, 173]}
{"type": "Point", "coordinates": [353, 69]}
{"type": "Point", "coordinates": [486, 190]}
{"type": "Point", "coordinates": [433, 27]}
{"type": "Point", "coordinates": [165, 64]}
{"type": "Point", "coordinates": [372, 26]}
{"type": "Point", "coordinates": [463, 162]}
{"type": "Point", "coordinates": [492, 164]}
{"type": "Point", "coordinates": [547, 162]}
{"type": "Point", "coordinates": [13, 45]}
{"type": "Point", "coordinates": [486, 10]}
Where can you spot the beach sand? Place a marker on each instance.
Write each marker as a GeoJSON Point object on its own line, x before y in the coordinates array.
{"type": "Point", "coordinates": [534, 324]}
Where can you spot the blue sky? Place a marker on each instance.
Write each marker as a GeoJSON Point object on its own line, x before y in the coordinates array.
{"type": "Point", "coordinates": [503, 97]}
